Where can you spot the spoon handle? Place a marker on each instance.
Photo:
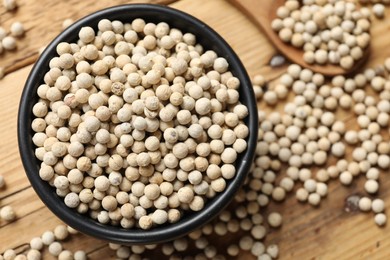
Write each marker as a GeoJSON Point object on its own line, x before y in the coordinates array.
{"type": "Point", "coordinates": [259, 11]}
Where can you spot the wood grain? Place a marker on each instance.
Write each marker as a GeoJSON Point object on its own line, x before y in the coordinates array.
{"type": "Point", "coordinates": [43, 21]}
{"type": "Point", "coordinates": [326, 232]}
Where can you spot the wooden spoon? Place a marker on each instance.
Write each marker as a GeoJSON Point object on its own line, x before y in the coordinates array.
{"type": "Point", "coordinates": [262, 12]}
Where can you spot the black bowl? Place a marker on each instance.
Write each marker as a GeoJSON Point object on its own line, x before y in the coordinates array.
{"type": "Point", "coordinates": [210, 40]}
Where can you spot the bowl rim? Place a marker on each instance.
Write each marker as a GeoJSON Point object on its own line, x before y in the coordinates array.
{"type": "Point", "coordinates": [84, 223]}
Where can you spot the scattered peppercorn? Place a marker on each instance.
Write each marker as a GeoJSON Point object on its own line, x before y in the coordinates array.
{"type": "Point", "coordinates": [334, 32]}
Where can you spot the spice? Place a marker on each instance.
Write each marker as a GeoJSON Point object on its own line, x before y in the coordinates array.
{"type": "Point", "coordinates": [80, 255]}
{"type": "Point", "coordinates": [380, 219]}
{"type": "Point", "coordinates": [7, 213]}
{"type": "Point", "coordinates": [61, 232]}
{"type": "Point", "coordinates": [305, 130]}
{"type": "Point", "coordinates": [317, 29]}
{"type": "Point", "coordinates": [17, 29]}
{"type": "Point", "coordinates": [47, 238]}
{"type": "Point", "coordinates": [107, 126]}
{"type": "Point", "coordinates": [55, 248]}
{"type": "Point", "coordinates": [33, 254]}
{"type": "Point", "coordinates": [9, 254]}
{"type": "Point", "coordinates": [274, 219]}
{"type": "Point", "coordinates": [378, 205]}
{"type": "Point", "coordinates": [371, 186]}
{"type": "Point", "coordinates": [365, 204]}
{"type": "Point", "coordinates": [9, 5]}
{"type": "Point", "coordinates": [66, 23]}
{"type": "Point", "coordinates": [378, 10]}
{"type": "Point", "coordinates": [9, 43]}
{"type": "Point", "coordinates": [36, 243]}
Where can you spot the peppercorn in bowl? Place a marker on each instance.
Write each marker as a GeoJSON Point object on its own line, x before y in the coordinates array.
{"type": "Point", "coordinates": [137, 124]}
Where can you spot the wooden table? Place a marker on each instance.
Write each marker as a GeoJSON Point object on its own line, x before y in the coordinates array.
{"type": "Point", "coordinates": [326, 232]}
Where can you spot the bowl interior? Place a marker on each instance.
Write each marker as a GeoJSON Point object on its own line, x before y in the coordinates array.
{"type": "Point", "coordinates": [210, 40]}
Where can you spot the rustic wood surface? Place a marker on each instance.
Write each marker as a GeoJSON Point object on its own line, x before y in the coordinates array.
{"type": "Point", "coordinates": [327, 232]}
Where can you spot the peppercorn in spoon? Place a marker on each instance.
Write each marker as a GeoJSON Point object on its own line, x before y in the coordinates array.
{"type": "Point", "coordinates": [328, 39]}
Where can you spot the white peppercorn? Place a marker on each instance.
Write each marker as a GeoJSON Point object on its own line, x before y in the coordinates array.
{"type": "Point", "coordinates": [9, 5]}
{"type": "Point", "coordinates": [17, 29]}
{"type": "Point", "coordinates": [274, 219]}
{"type": "Point", "coordinates": [55, 248]}
{"type": "Point", "coordinates": [377, 205]}
{"type": "Point", "coordinates": [380, 219]}
{"type": "Point", "coordinates": [7, 213]}
{"type": "Point", "coordinates": [371, 186]}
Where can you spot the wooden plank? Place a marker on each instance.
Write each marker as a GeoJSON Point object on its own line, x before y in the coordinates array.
{"type": "Point", "coordinates": [326, 232]}
{"type": "Point", "coordinates": [102, 253]}
{"type": "Point", "coordinates": [10, 163]}
{"type": "Point", "coordinates": [22, 231]}
{"type": "Point", "coordinates": [43, 21]}
{"type": "Point", "coordinates": [18, 202]}
{"type": "Point", "coordinates": [35, 224]}
{"type": "Point", "coordinates": [17, 182]}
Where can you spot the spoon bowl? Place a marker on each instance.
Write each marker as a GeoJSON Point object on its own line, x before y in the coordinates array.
{"type": "Point", "coordinates": [262, 13]}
